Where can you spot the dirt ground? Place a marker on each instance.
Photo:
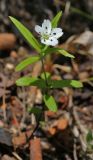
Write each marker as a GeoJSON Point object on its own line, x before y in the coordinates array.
{"type": "Point", "coordinates": [68, 133]}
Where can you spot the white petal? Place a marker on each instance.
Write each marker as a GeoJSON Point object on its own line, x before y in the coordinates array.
{"type": "Point", "coordinates": [46, 27]}
{"type": "Point", "coordinates": [51, 41]}
{"type": "Point", "coordinates": [44, 41]}
{"type": "Point", "coordinates": [38, 29]}
{"type": "Point", "coordinates": [56, 32]}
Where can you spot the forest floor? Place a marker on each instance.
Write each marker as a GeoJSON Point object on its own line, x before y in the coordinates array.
{"type": "Point", "coordinates": [66, 134]}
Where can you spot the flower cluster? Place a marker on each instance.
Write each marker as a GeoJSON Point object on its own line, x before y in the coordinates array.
{"type": "Point", "coordinates": [49, 35]}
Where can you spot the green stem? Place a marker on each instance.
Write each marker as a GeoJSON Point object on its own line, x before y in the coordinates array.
{"type": "Point", "coordinates": [45, 48]}
{"type": "Point", "coordinates": [43, 68]}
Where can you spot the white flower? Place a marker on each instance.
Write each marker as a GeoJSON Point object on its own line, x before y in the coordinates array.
{"type": "Point", "coordinates": [49, 35]}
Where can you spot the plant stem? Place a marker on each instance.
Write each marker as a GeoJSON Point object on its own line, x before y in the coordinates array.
{"type": "Point", "coordinates": [45, 90]}
{"type": "Point", "coordinates": [43, 68]}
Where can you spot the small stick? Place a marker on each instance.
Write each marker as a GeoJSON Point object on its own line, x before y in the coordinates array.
{"type": "Point", "coordinates": [75, 151]}
{"type": "Point", "coordinates": [16, 156]}
{"type": "Point", "coordinates": [81, 128]}
{"type": "Point", "coordinates": [35, 149]}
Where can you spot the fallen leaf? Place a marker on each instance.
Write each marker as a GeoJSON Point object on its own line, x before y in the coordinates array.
{"type": "Point", "coordinates": [82, 43]}
{"type": "Point", "coordinates": [62, 124]}
{"type": "Point", "coordinates": [52, 130]}
{"type": "Point", "coordinates": [19, 140]}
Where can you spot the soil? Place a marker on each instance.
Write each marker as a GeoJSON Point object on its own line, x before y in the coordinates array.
{"type": "Point", "coordinates": [63, 135]}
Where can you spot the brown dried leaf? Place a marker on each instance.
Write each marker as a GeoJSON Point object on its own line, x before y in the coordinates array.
{"type": "Point", "coordinates": [52, 130]}
{"type": "Point", "coordinates": [62, 124]}
{"type": "Point", "coordinates": [82, 43]}
{"type": "Point", "coordinates": [2, 92]}
{"type": "Point", "coordinates": [35, 149]}
{"type": "Point", "coordinates": [7, 157]}
{"type": "Point", "coordinates": [19, 140]}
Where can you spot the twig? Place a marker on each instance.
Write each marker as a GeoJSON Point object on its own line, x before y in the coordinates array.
{"type": "Point", "coordinates": [16, 156]}
{"type": "Point", "coordinates": [75, 151]}
{"type": "Point", "coordinates": [35, 149]}
{"type": "Point", "coordinates": [67, 157]}
{"type": "Point", "coordinates": [24, 107]}
{"type": "Point", "coordinates": [4, 103]}
{"type": "Point", "coordinates": [82, 129]}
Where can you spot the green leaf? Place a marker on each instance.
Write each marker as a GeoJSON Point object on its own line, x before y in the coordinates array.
{"type": "Point", "coordinates": [56, 19]}
{"type": "Point", "coordinates": [58, 50]}
{"type": "Point", "coordinates": [25, 81]}
{"type": "Point", "coordinates": [65, 53]}
{"type": "Point", "coordinates": [49, 50]}
{"type": "Point", "coordinates": [90, 79]}
{"type": "Point", "coordinates": [34, 110]}
{"type": "Point", "coordinates": [26, 33]}
{"type": "Point", "coordinates": [76, 84]}
{"type": "Point", "coordinates": [47, 74]}
{"type": "Point", "coordinates": [50, 103]}
{"type": "Point", "coordinates": [31, 81]}
{"type": "Point", "coordinates": [65, 83]}
{"type": "Point", "coordinates": [26, 62]}
{"type": "Point", "coordinates": [89, 136]}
